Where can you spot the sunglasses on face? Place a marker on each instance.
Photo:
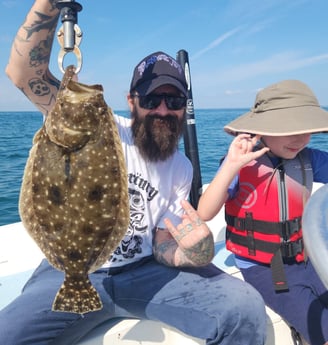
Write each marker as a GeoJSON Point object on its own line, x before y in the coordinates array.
{"type": "Point", "coordinates": [152, 101]}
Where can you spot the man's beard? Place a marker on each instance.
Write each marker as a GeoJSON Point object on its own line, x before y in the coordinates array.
{"type": "Point", "coordinates": [157, 137]}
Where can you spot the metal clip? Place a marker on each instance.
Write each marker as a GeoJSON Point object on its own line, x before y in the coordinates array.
{"type": "Point", "coordinates": [76, 50]}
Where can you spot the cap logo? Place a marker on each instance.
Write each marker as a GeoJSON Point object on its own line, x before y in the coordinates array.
{"type": "Point", "coordinates": [155, 58]}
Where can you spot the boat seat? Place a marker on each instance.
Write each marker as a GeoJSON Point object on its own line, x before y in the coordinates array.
{"type": "Point", "coordinates": [137, 332]}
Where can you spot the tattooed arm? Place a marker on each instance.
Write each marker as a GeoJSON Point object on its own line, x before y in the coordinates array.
{"type": "Point", "coordinates": [28, 65]}
{"type": "Point", "coordinates": [189, 244]}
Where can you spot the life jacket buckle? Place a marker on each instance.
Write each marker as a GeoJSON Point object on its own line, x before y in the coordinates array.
{"type": "Point", "coordinates": [291, 249]}
{"type": "Point", "coordinates": [289, 227]}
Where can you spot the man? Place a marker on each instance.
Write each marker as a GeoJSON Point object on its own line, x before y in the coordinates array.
{"type": "Point", "coordinates": [161, 270]}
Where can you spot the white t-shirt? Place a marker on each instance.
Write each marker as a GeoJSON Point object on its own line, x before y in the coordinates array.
{"type": "Point", "coordinates": [155, 192]}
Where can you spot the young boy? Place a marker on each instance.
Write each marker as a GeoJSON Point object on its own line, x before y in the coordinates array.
{"type": "Point", "coordinates": [264, 182]}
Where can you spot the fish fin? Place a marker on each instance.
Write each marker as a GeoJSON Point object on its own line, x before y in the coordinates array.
{"type": "Point", "coordinates": [77, 297]}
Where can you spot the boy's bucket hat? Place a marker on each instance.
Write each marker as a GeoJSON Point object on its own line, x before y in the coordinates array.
{"type": "Point", "coordinates": [285, 108]}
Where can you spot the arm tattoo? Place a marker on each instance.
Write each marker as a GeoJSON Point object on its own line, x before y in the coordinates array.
{"type": "Point", "coordinates": [41, 53]}
{"type": "Point", "coordinates": [53, 4]}
{"type": "Point", "coordinates": [40, 87]}
{"type": "Point", "coordinates": [45, 22]}
{"type": "Point", "coordinates": [202, 252]}
{"type": "Point", "coordinates": [198, 255]}
{"type": "Point", "coordinates": [161, 249]}
{"type": "Point", "coordinates": [49, 78]}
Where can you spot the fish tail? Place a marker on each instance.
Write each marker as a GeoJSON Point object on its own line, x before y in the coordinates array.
{"type": "Point", "coordinates": [77, 297]}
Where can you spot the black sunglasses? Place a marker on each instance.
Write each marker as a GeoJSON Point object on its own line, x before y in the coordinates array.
{"type": "Point", "coordinates": [152, 101]}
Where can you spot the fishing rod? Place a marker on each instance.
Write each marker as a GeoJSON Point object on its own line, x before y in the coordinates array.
{"type": "Point", "coordinates": [189, 134]}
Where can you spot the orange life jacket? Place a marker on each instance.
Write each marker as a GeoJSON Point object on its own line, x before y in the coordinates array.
{"type": "Point", "coordinates": [264, 218]}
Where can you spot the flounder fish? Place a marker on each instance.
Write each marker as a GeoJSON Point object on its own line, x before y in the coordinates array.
{"type": "Point", "coordinates": [74, 196]}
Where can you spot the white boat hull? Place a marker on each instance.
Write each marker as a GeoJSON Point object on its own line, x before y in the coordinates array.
{"type": "Point", "coordinates": [19, 256]}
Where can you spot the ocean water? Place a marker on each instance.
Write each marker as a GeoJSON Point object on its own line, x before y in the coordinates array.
{"type": "Point", "coordinates": [18, 128]}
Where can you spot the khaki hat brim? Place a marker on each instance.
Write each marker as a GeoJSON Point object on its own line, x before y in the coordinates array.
{"type": "Point", "coordinates": [281, 122]}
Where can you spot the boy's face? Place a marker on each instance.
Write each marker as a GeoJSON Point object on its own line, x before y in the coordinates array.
{"type": "Point", "coordinates": [287, 147]}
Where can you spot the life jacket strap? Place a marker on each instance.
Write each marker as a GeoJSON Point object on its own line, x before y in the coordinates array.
{"type": "Point", "coordinates": [288, 249]}
{"type": "Point", "coordinates": [250, 234]}
{"type": "Point", "coordinates": [284, 229]}
{"type": "Point", "coordinates": [278, 273]}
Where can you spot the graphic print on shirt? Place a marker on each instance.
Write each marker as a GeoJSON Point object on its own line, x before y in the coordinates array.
{"type": "Point", "coordinates": [132, 240]}
{"type": "Point", "coordinates": [136, 242]}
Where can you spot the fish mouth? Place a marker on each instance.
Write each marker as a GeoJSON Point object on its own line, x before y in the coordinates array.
{"type": "Point", "coordinates": [69, 138]}
{"type": "Point", "coordinates": [72, 132]}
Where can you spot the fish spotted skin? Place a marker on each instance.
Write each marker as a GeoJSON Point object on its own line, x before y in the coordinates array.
{"type": "Point", "coordinates": [74, 195]}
